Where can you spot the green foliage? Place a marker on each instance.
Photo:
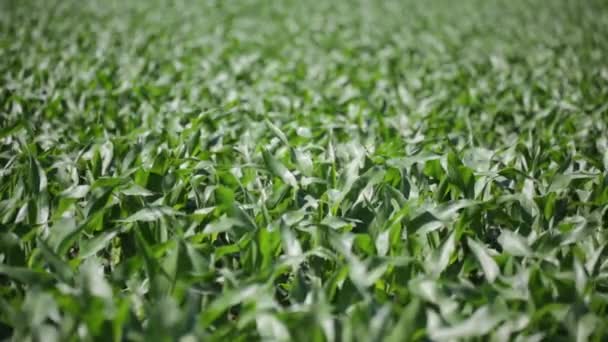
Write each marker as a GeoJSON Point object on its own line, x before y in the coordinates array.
{"type": "Point", "coordinates": [303, 170]}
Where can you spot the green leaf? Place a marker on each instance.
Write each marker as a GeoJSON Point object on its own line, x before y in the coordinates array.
{"type": "Point", "coordinates": [26, 275]}
{"type": "Point", "coordinates": [271, 328]}
{"type": "Point", "coordinates": [489, 266]}
{"type": "Point", "coordinates": [11, 129]}
{"type": "Point", "coordinates": [480, 323]}
{"type": "Point", "coordinates": [279, 170]}
{"type": "Point", "coordinates": [406, 326]}
{"type": "Point", "coordinates": [76, 192]}
{"type": "Point", "coordinates": [136, 190]}
{"type": "Point", "coordinates": [59, 266]}
{"type": "Point", "coordinates": [149, 214]}
{"type": "Point", "coordinates": [440, 258]}
{"type": "Point", "coordinates": [277, 132]}
{"type": "Point", "coordinates": [60, 232]}
{"type": "Point", "coordinates": [90, 247]}
{"type": "Point", "coordinates": [514, 244]}
{"type": "Point", "coordinates": [226, 300]}
{"type": "Point", "coordinates": [304, 162]}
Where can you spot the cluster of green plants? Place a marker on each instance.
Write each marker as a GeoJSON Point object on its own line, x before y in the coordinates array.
{"type": "Point", "coordinates": [345, 170]}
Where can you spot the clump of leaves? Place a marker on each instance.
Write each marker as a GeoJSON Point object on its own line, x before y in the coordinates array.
{"type": "Point", "coordinates": [341, 170]}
